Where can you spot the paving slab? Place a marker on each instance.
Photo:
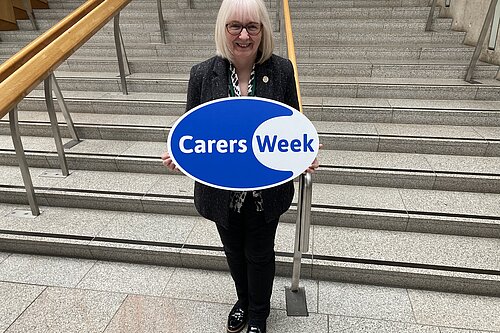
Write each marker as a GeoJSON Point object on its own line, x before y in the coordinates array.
{"type": "Point", "coordinates": [464, 164]}
{"type": "Point", "coordinates": [147, 149]}
{"type": "Point", "coordinates": [154, 314]}
{"type": "Point", "coordinates": [32, 143]}
{"type": "Point", "coordinates": [345, 128]}
{"type": "Point", "coordinates": [435, 131]}
{"type": "Point", "coordinates": [150, 227]}
{"type": "Point", "coordinates": [3, 256]}
{"type": "Point", "coordinates": [109, 147]}
{"type": "Point", "coordinates": [458, 330]}
{"type": "Point", "coordinates": [456, 310]}
{"type": "Point", "coordinates": [176, 184]}
{"type": "Point", "coordinates": [365, 301]}
{"type": "Point", "coordinates": [49, 271]}
{"type": "Point", "coordinates": [127, 278]}
{"type": "Point", "coordinates": [109, 181]}
{"type": "Point", "coordinates": [374, 160]}
{"type": "Point", "coordinates": [60, 310]}
{"type": "Point", "coordinates": [279, 322]}
{"type": "Point", "coordinates": [11, 175]}
{"type": "Point", "coordinates": [423, 248]}
{"type": "Point", "coordinates": [218, 287]}
{"type": "Point", "coordinates": [449, 202]}
{"type": "Point", "coordinates": [357, 196]}
{"type": "Point", "coordinates": [364, 325]}
{"type": "Point", "coordinates": [15, 298]}
{"type": "Point", "coordinates": [62, 221]}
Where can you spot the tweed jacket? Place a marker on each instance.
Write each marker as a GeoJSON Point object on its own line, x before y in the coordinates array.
{"type": "Point", "coordinates": [209, 80]}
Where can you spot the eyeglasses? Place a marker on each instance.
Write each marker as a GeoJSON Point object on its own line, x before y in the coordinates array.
{"type": "Point", "coordinates": [253, 29]}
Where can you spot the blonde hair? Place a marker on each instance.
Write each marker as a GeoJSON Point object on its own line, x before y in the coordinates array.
{"type": "Point", "coordinates": [256, 9]}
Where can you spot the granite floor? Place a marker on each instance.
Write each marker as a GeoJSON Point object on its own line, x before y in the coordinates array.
{"type": "Point", "coordinates": [55, 294]}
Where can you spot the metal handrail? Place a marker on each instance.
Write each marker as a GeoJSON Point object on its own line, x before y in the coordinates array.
{"type": "Point", "coordinates": [302, 227]}
{"type": "Point", "coordinates": [161, 21]}
{"type": "Point", "coordinates": [428, 26]}
{"type": "Point", "coordinates": [477, 52]}
{"type": "Point", "coordinates": [31, 15]}
{"type": "Point", "coordinates": [123, 64]}
{"type": "Point", "coordinates": [36, 62]}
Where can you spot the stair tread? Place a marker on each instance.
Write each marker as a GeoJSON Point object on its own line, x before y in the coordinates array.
{"type": "Point", "coordinates": [472, 205]}
{"type": "Point", "coordinates": [409, 162]}
{"type": "Point", "coordinates": [377, 245]}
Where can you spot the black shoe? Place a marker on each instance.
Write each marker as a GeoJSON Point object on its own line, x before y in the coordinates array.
{"type": "Point", "coordinates": [252, 328]}
{"type": "Point", "coordinates": [237, 319]}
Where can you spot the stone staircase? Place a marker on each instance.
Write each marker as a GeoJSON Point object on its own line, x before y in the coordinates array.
{"type": "Point", "coordinates": [408, 193]}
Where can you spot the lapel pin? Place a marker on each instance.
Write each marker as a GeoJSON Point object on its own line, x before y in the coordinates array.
{"type": "Point", "coordinates": [265, 79]}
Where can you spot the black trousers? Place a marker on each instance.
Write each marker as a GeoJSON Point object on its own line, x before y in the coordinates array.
{"type": "Point", "coordinates": [249, 247]}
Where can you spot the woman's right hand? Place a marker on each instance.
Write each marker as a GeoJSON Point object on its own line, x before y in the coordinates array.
{"type": "Point", "coordinates": [167, 161]}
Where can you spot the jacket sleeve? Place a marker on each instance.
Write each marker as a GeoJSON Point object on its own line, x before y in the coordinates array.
{"type": "Point", "coordinates": [194, 88]}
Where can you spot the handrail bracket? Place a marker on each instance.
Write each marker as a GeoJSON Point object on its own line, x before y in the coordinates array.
{"type": "Point", "coordinates": [121, 54]}
{"type": "Point", "coordinates": [23, 164]}
{"type": "Point", "coordinates": [296, 304]}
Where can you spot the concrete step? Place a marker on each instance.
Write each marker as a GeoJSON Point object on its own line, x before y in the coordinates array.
{"type": "Point", "coordinates": [151, 12]}
{"type": "Point", "coordinates": [351, 87]}
{"type": "Point", "coordinates": [376, 68]}
{"type": "Point", "coordinates": [360, 136]}
{"type": "Point", "coordinates": [336, 109]}
{"type": "Point", "coordinates": [296, 4]}
{"type": "Point", "coordinates": [397, 209]}
{"type": "Point", "coordinates": [406, 52]}
{"type": "Point", "coordinates": [105, 152]}
{"type": "Point", "coordinates": [323, 26]}
{"type": "Point", "coordinates": [68, 292]}
{"type": "Point", "coordinates": [301, 38]}
{"type": "Point", "coordinates": [401, 259]}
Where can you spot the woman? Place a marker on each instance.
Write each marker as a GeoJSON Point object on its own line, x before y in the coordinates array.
{"type": "Point", "coordinates": [246, 221]}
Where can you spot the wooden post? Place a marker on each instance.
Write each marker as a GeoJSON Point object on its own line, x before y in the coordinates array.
{"type": "Point", "coordinates": [7, 16]}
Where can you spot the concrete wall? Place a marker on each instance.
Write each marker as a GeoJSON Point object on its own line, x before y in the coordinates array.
{"type": "Point", "coordinates": [468, 16]}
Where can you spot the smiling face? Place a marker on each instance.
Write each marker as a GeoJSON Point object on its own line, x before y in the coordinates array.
{"type": "Point", "coordinates": [243, 46]}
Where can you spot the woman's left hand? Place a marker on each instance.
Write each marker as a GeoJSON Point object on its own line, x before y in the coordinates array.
{"type": "Point", "coordinates": [315, 164]}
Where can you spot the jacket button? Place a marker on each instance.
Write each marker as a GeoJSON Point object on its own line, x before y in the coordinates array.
{"type": "Point", "coordinates": [265, 79]}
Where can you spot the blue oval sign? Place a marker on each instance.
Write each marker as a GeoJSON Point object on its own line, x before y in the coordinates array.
{"type": "Point", "coordinates": [242, 144]}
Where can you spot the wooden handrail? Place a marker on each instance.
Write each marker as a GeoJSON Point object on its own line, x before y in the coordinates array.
{"type": "Point", "coordinates": [35, 68]}
{"type": "Point", "coordinates": [17, 60]}
{"type": "Point", "coordinates": [291, 48]}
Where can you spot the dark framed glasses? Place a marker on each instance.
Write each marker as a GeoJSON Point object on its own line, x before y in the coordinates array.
{"type": "Point", "coordinates": [235, 28]}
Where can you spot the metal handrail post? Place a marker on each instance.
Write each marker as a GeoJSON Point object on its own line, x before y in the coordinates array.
{"type": "Point", "coordinates": [477, 52]}
{"type": "Point", "coordinates": [283, 48]}
{"type": "Point", "coordinates": [303, 226]}
{"type": "Point", "coordinates": [428, 26]}
{"type": "Point", "coordinates": [64, 108]}
{"type": "Point", "coordinates": [161, 21]}
{"type": "Point", "coordinates": [495, 25]}
{"type": "Point", "coordinates": [23, 164]}
{"type": "Point", "coordinates": [55, 126]}
{"type": "Point", "coordinates": [31, 15]}
{"type": "Point", "coordinates": [296, 304]}
{"type": "Point", "coordinates": [277, 23]}
{"type": "Point", "coordinates": [121, 54]}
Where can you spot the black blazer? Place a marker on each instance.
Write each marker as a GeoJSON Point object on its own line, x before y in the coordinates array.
{"type": "Point", "coordinates": [208, 81]}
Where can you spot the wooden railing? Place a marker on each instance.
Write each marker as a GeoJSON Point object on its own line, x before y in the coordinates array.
{"type": "Point", "coordinates": [36, 62]}
{"type": "Point", "coordinates": [25, 70]}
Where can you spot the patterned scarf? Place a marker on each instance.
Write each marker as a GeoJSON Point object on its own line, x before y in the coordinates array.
{"type": "Point", "coordinates": [238, 198]}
